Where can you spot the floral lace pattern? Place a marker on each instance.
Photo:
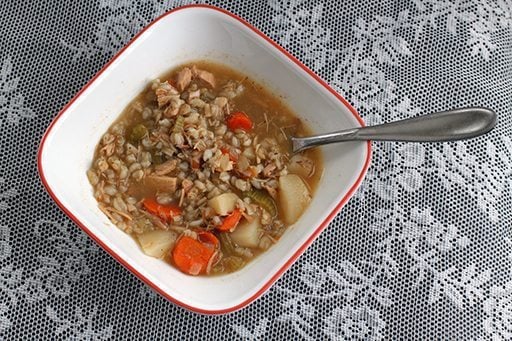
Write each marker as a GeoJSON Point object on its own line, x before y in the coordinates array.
{"type": "Point", "coordinates": [56, 273]}
{"type": "Point", "coordinates": [122, 23]}
{"type": "Point", "coordinates": [80, 326]}
{"type": "Point", "coordinates": [422, 251]}
{"type": "Point", "coordinates": [12, 103]}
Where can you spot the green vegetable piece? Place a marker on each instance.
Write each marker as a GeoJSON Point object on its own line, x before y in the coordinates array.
{"type": "Point", "coordinates": [226, 244]}
{"type": "Point", "coordinates": [138, 132]}
{"type": "Point", "coordinates": [232, 263]}
{"type": "Point", "coordinates": [263, 199]}
{"type": "Point", "coordinates": [228, 264]}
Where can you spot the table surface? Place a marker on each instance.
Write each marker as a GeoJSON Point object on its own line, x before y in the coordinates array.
{"type": "Point", "coordinates": [422, 251]}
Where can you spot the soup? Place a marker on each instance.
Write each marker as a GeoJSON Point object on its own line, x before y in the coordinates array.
{"type": "Point", "coordinates": [198, 169]}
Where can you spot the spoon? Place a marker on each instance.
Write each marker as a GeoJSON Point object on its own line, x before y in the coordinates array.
{"type": "Point", "coordinates": [456, 124]}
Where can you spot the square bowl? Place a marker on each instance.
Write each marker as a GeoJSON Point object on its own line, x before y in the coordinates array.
{"type": "Point", "coordinates": [67, 148]}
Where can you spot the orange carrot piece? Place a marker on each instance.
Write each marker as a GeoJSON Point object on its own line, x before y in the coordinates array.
{"type": "Point", "coordinates": [239, 120]}
{"type": "Point", "coordinates": [191, 256]}
{"type": "Point", "coordinates": [231, 221]}
{"type": "Point", "coordinates": [166, 212]}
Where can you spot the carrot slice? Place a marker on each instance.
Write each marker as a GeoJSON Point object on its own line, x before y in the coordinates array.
{"type": "Point", "coordinates": [239, 120]}
{"type": "Point", "coordinates": [166, 212]}
{"type": "Point", "coordinates": [191, 256]}
{"type": "Point", "coordinates": [231, 221]}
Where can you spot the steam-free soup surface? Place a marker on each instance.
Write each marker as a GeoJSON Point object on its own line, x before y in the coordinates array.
{"type": "Point", "coordinates": [198, 168]}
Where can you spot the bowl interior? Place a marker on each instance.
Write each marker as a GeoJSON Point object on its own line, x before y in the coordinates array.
{"type": "Point", "coordinates": [175, 39]}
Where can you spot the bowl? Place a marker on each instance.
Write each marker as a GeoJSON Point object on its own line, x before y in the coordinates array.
{"type": "Point", "coordinates": [184, 34]}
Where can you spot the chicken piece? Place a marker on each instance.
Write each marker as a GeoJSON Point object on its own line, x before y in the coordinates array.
{"type": "Point", "coordinates": [183, 78]}
{"type": "Point", "coordinates": [166, 167]}
{"type": "Point", "coordinates": [204, 76]}
{"type": "Point", "coordinates": [161, 183]}
{"type": "Point", "coordinates": [165, 92]}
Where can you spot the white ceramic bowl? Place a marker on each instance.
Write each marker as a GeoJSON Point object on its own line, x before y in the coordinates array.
{"type": "Point", "coordinates": [184, 34]}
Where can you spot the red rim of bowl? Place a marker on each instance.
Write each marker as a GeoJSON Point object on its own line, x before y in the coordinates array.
{"type": "Point", "coordinates": [302, 248]}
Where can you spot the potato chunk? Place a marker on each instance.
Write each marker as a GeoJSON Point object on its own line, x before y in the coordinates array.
{"type": "Point", "coordinates": [223, 204]}
{"type": "Point", "coordinates": [294, 197]}
{"type": "Point", "coordinates": [156, 243]}
{"type": "Point", "coordinates": [247, 234]}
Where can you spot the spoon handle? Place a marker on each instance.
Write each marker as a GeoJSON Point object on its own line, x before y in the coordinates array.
{"type": "Point", "coordinates": [449, 125]}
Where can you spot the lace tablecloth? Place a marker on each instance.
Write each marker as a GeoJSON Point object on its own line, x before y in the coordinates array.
{"type": "Point", "coordinates": [423, 250]}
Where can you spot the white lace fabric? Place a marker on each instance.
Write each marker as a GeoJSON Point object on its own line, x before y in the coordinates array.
{"type": "Point", "coordinates": [423, 250]}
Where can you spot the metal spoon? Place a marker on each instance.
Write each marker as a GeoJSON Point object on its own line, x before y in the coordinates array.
{"type": "Point", "coordinates": [449, 125]}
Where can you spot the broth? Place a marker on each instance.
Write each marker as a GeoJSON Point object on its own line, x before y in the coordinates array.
{"type": "Point", "coordinates": [198, 168]}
